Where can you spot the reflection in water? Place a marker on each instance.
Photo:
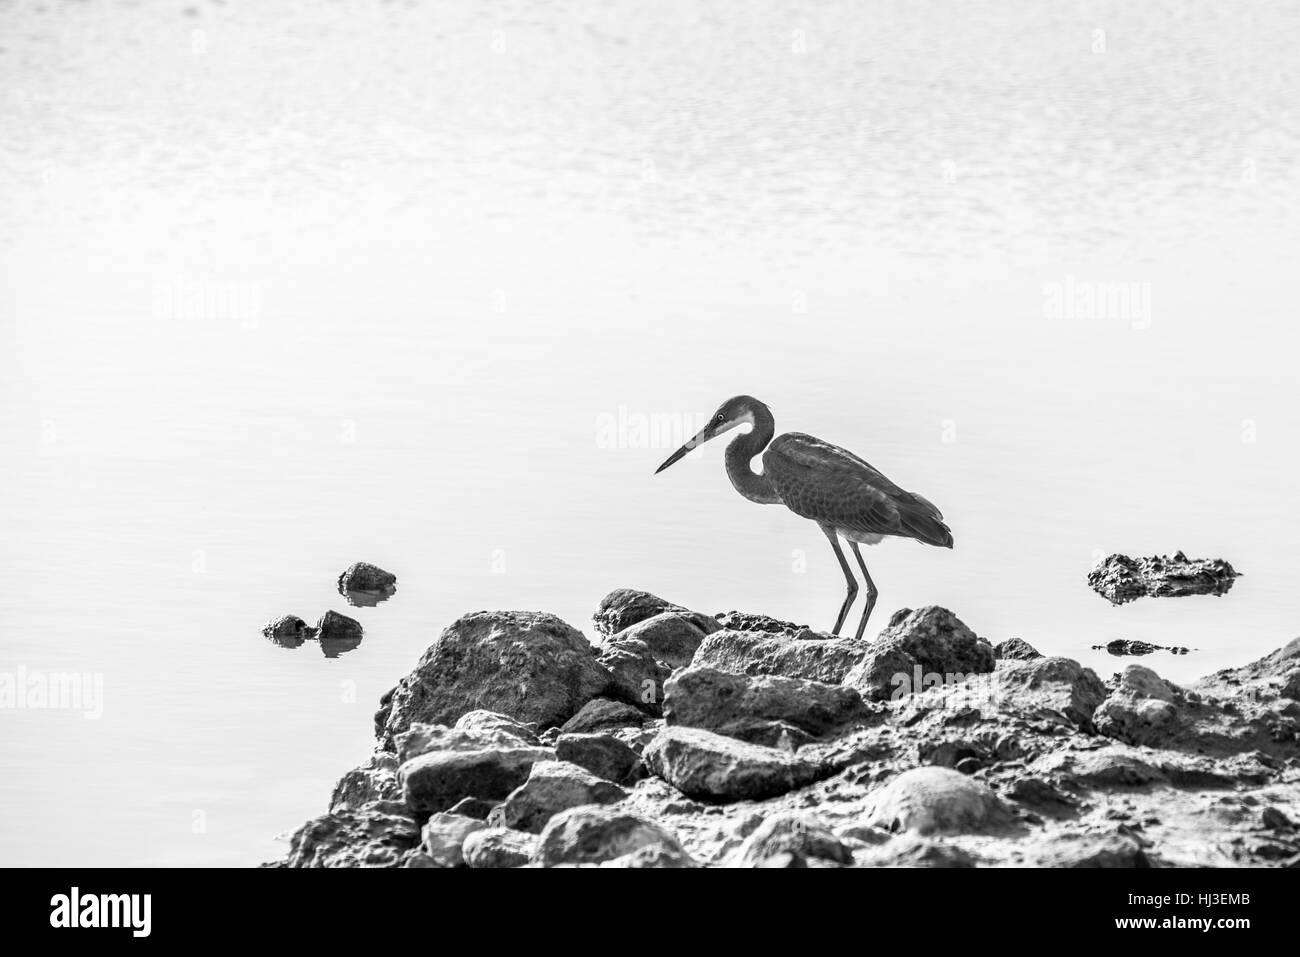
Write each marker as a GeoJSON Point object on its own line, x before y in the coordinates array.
{"type": "Point", "coordinates": [369, 598]}
{"type": "Point", "coordinates": [333, 647]}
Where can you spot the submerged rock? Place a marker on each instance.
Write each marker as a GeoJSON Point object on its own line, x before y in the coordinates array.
{"type": "Point", "coordinates": [1121, 579]}
{"type": "Point", "coordinates": [711, 767]}
{"type": "Point", "coordinates": [530, 666]}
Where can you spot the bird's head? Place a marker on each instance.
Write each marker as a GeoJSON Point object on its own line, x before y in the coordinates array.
{"type": "Point", "coordinates": [735, 411]}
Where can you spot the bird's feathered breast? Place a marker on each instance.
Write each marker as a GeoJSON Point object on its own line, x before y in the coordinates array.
{"type": "Point", "coordinates": [831, 485]}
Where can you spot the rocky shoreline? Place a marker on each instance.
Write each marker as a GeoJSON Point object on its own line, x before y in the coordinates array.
{"type": "Point", "coordinates": [682, 739]}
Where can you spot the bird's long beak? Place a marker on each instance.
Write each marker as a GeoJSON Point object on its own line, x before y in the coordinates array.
{"type": "Point", "coordinates": [700, 438]}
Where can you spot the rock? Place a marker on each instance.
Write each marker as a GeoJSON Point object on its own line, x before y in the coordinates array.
{"type": "Point", "coordinates": [443, 835]}
{"type": "Point", "coordinates": [530, 666]}
{"type": "Point", "coordinates": [708, 766]}
{"type": "Point", "coordinates": [376, 780]}
{"type": "Point", "coordinates": [670, 636]}
{"type": "Point", "coordinates": [653, 856]}
{"type": "Point", "coordinates": [289, 631]}
{"type": "Point", "coordinates": [1077, 850]}
{"type": "Point", "coordinates": [603, 714]}
{"type": "Point", "coordinates": [1016, 649]}
{"type": "Point", "coordinates": [625, 607]}
{"type": "Point", "coordinates": [367, 585]}
{"type": "Point", "coordinates": [437, 780]}
{"type": "Point", "coordinates": [1048, 686]}
{"type": "Point", "coordinates": [1229, 714]}
{"type": "Point", "coordinates": [1275, 820]}
{"type": "Point", "coordinates": [760, 653]}
{"type": "Point", "coordinates": [931, 800]}
{"type": "Point", "coordinates": [498, 847]}
{"type": "Point", "coordinates": [422, 738]}
{"type": "Point", "coordinates": [337, 634]}
{"type": "Point", "coordinates": [909, 850]}
{"type": "Point", "coordinates": [481, 720]}
{"type": "Point", "coordinates": [1121, 579]}
{"type": "Point", "coordinates": [638, 676]}
{"type": "Point", "coordinates": [730, 703]}
{"type": "Point", "coordinates": [930, 644]}
{"type": "Point", "coordinates": [797, 833]}
{"type": "Point", "coordinates": [375, 835]}
{"type": "Point", "coordinates": [555, 786]}
{"type": "Point", "coordinates": [1128, 647]}
{"type": "Point", "coordinates": [1114, 766]}
{"type": "Point", "coordinates": [603, 755]}
{"type": "Point", "coordinates": [594, 833]}
{"type": "Point", "coordinates": [743, 621]}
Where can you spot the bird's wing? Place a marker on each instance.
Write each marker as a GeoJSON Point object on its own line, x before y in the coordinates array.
{"type": "Point", "coordinates": [833, 486]}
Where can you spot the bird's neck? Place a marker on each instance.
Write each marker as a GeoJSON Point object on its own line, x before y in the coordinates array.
{"type": "Point", "coordinates": [740, 457]}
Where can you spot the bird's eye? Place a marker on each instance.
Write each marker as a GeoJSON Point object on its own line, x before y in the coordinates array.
{"type": "Point", "coordinates": [721, 417]}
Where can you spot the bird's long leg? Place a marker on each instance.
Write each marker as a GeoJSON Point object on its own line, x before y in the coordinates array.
{"type": "Point", "coordinates": [871, 589]}
{"type": "Point", "coordinates": [848, 577]}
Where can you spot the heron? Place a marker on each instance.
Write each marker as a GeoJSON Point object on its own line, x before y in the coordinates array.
{"type": "Point", "coordinates": [844, 495]}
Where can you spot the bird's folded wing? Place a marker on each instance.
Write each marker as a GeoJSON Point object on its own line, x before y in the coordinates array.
{"type": "Point", "coordinates": [830, 485]}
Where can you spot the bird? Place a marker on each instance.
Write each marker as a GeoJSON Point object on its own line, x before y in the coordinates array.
{"type": "Point", "coordinates": [843, 494]}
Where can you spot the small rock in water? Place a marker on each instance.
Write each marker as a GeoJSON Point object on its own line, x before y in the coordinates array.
{"type": "Point", "coordinates": [1121, 647]}
{"type": "Point", "coordinates": [289, 631]}
{"type": "Point", "coordinates": [1121, 579]}
{"type": "Point", "coordinates": [366, 585]}
{"type": "Point", "coordinates": [338, 634]}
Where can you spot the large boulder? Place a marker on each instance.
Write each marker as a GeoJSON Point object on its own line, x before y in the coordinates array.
{"type": "Point", "coordinates": [379, 834]}
{"type": "Point", "coordinates": [554, 786]}
{"type": "Point", "coordinates": [934, 800]}
{"type": "Point", "coordinates": [731, 704]}
{"type": "Point", "coordinates": [765, 653]}
{"type": "Point", "coordinates": [593, 833]}
{"type": "Point", "coordinates": [929, 645]}
{"type": "Point", "coordinates": [530, 666]}
{"type": "Point", "coordinates": [624, 607]}
{"type": "Point", "coordinates": [711, 767]}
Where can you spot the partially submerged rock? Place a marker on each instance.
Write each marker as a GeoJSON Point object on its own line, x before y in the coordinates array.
{"type": "Point", "coordinates": [1120, 579]}
{"type": "Point", "coordinates": [288, 631]}
{"type": "Point", "coordinates": [530, 666]}
{"type": "Point", "coordinates": [338, 634]}
{"type": "Point", "coordinates": [366, 585]}
{"type": "Point", "coordinates": [1131, 647]}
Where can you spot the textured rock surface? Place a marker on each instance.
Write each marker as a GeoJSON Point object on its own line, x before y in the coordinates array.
{"type": "Point", "coordinates": [764, 653]}
{"type": "Point", "coordinates": [1032, 762]}
{"type": "Point", "coordinates": [363, 576]}
{"type": "Point", "coordinates": [288, 631]}
{"type": "Point", "coordinates": [624, 607]}
{"type": "Point", "coordinates": [915, 648]}
{"type": "Point", "coordinates": [591, 834]}
{"type": "Point", "coordinates": [530, 666]}
{"type": "Point", "coordinates": [1015, 648]}
{"type": "Point", "coordinates": [736, 704]}
{"type": "Point", "coordinates": [712, 767]}
{"type": "Point", "coordinates": [1121, 579]}
{"type": "Point", "coordinates": [552, 787]}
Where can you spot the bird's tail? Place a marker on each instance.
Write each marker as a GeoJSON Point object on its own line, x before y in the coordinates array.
{"type": "Point", "coordinates": [924, 522]}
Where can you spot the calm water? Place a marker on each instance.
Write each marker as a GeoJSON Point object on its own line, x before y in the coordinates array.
{"type": "Point", "coordinates": [288, 286]}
